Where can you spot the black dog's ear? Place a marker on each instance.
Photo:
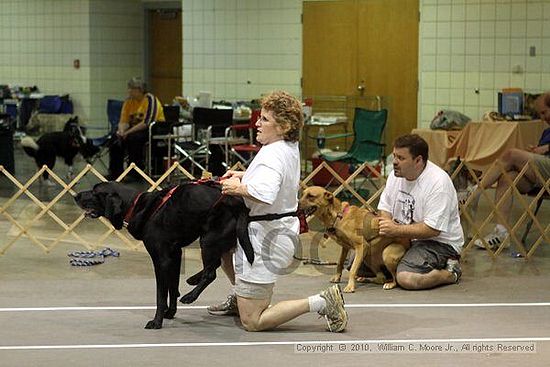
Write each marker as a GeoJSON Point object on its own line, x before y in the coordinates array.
{"type": "Point", "coordinates": [113, 210]}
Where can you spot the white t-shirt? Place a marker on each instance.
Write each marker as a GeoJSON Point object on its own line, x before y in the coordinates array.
{"type": "Point", "coordinates": [430, 199]}
{"type": "Point", "coordinates": [273, 177]}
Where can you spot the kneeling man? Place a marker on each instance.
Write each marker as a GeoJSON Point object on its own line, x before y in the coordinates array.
{"type": "Point", "coordinates": [419, 202]}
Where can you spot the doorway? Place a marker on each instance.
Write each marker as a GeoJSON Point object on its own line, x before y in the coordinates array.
{"type": "Point", "coordinates": [165, 53]}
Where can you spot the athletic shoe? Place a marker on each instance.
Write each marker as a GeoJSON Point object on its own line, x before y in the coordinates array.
{"type": "Point", "coordinates": [453, 266]}
{"type": "Point", "coordinates": [334, 311]}
{"type": "Point", "coordinates": [226, 308]}
{"type": "Point", "coordinates": [494, 240]}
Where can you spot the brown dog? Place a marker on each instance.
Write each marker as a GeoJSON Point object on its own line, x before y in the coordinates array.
{"type": "Point", "coordinates": [355, 229]}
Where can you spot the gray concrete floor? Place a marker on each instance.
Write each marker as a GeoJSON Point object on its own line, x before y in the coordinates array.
{"type": "Point", "coordinates": [44, 324]}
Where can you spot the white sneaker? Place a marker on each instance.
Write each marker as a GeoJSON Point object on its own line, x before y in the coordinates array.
{"type": "Point", "coordinates": [334, 311]}
{"type": "Point", "coordinates": [494, 240]}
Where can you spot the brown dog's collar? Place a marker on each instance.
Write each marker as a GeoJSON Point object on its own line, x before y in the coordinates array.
{"type": "Point", "coordinates": [332, 229]}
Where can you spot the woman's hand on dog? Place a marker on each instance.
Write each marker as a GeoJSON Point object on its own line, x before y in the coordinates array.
{"type": "Point", "coordinates": [231, 183]}
{"type": "Point", "coordinates": [231, 186]}
{"type": "Point", "coordinates": [231, 173]}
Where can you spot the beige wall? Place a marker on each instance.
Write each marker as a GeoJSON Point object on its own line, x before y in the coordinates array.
{"type": "Point", "coordinates": [239, 49]}
{"type": "Point", "coordinates": [474, 44]}
{"type": "Point", "coordinates": [40, 39]}
{"type": "Point", "coordinates": [116, 52]}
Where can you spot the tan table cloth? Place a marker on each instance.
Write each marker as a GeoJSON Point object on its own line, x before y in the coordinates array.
{"type": "Point", "coordinates": [480, 143]}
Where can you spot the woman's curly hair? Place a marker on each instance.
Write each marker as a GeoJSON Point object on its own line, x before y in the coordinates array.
{"type": "Point", "coordinates": [287, 111]}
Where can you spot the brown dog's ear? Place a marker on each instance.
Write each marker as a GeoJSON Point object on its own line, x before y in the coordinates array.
{"type": "Point", "coordinates": [329, 196]}
{"type": "Point", "coordinates": [113, 210]}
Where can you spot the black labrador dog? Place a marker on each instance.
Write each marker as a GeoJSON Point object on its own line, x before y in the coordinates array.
{"type": "Point", "coordinates": [168, 220]}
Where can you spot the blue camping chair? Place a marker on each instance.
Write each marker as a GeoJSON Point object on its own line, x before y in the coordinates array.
{"type": "Point", "coordinates": [114, 109]}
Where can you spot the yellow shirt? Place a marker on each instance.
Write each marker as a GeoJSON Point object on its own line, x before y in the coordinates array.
{"type": "Point", "coordinates": [147, 110]}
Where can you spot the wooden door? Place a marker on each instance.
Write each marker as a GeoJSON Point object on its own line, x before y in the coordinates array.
{"type": "Point", "coordinates": [388, 59]}
{"type": "Point", "coordinates": [329, 64]}
{"type": "Point", "coordinates": [329, 48]}
{"type": "Point", "coordinates": [165, 54]}
{"type": "Point", "coordinates": [373, 43]}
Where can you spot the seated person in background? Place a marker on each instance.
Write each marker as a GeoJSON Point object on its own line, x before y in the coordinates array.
{"type": "Point", "coordinates": [419, 202]}
{"type": "Point", "coordinates": [139, 110]}
{"type": "Point", "coordinates": [513, 161]}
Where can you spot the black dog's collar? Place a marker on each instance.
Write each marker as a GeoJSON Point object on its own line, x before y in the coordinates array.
{"type": "Point", "coordinates": [130, 212]}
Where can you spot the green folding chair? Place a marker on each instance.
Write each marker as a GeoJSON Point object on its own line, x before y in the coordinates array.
{"type": "Point", "coordinates": [367, 146]}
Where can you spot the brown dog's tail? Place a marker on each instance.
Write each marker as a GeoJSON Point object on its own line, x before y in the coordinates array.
{"type": "Point", "coordinates": [243, 236]}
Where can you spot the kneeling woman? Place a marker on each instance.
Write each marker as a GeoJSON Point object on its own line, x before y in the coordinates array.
{"type": "Point", "coordinates": [270, 190]}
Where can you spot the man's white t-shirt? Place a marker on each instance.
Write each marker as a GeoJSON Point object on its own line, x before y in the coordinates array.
{"type": "Point", "coordinates": [430, 199]}
{"type": "Point", "coordinates": [273, 177]}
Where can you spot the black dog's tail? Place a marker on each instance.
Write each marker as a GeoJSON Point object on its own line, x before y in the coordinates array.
{"type": "Point", "coordinates": [243, 236]}
{"type": "Point", "coordinates": [29, 146]}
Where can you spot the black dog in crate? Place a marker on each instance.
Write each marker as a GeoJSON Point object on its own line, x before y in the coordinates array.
{"type": "Point", "coordinates": [168, 220]}
{"type": "Point", "coordinates": [65, 144]}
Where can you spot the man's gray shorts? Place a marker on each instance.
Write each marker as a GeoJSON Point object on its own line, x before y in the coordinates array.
{"type": "Point", "coordinates": [426, 255]}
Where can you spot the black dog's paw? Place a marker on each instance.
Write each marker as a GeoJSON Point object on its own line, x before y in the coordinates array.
{"type": "Point", "coordinates": [194, 279]}
{"type": "Point", "coordinates": [153, 324]}
{"type": "Point", "coordinates": [188, 298]}
{"type": "Point", "coordinates": [170, 313]}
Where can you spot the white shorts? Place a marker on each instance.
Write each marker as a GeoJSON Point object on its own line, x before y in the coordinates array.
{"type": "Point", "coordinates": [274, 244]}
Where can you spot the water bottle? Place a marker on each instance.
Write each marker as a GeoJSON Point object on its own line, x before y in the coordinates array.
{"type": "Point", "coordinates": [321, 138]}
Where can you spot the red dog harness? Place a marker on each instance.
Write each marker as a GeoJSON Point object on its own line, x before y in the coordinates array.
{"type": "Point", "coordinates": [130, 211]}
{"type": "Point", "coordinates": [165, 198]}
